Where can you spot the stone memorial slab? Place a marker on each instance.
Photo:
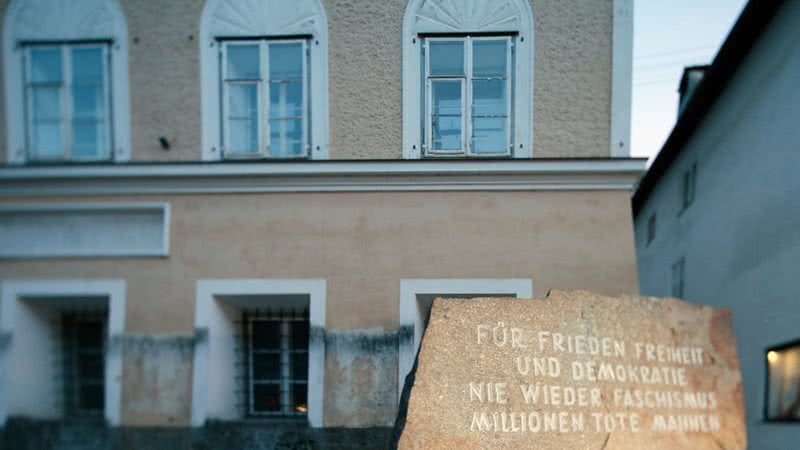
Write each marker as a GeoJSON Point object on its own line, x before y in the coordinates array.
{"type": "Point", "coordinates": [576, 371]}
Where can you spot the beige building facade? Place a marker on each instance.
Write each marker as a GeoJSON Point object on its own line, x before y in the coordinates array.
{"type": "Point", "coordinates": [363, 188]}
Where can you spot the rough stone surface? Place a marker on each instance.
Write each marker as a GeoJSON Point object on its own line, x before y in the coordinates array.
{"type": "Point", "coordinates": [459, 357]}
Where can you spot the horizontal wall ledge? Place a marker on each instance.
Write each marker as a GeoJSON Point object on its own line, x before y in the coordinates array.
{"type": "Point", "coordinates": [322, 176]}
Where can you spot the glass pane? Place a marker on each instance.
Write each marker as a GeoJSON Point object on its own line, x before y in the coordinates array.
{"type": "Point", "coordinates": [489, 58]}
{"type": "Point", "coordinates": [489, 135]}
{"type": "Point", "coordinates": [285, 61]}
{"type": "Point", "coordinates": [300, 332]}
{"type": "Point", "coordinates": [46, 103]}
{"type": "Point", "coordinates": [267, 366]}
{"type": "Point", "coordinates": [447, 133]}
{"type": "Point", "coordinates": [46, 140]}
{"type": "Point", "coordinates": [87, 102]}
{"type": "Point", "coordinates": [243, 117]}
{"type": "Point", "coordinates": [90, 366]}
{"type": "Point", "coordinates": [87, 65]}
{"type": "Point", "coordinates": [285, 100]}
{"type": "Point", "coordinates": [243, 62]}
{"type": "Point", "coordinates": [243, 101]}
{"type": "Point", "coordinates": [87, 139]}
{"type": "Point", "coordinates": [784, 384]}
{"type": "Point", "coordinates": [91, 397]}
{"type": "Point", "coordinates": [447, 111]}
{"type": "Point", "coordinates": [266, 397]}
{"type": "Point", "coordinates": [299, 366]}
{"type": "Point", "coordinates": [488, 98]}
{"type": "Point", "coordinates": [299, 398]}
{"type": "Point", "coordinates": [266, 334]}
{"type": "Point", "coordinates": [46, 65]}
{"type": "Point", "coordinates": [446, 58]}
{"type": "Point", "coordinates": [286, 137]}
{"type": "Point", "coordinates": [446, 98]}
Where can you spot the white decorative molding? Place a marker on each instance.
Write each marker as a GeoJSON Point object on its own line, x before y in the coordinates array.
{"type": "Point", "coordinates": [417, 295]}
{"type": "Point", "coordinates": [261, 18]}
{"type": "Point", "coordinates": [23, 378]}
{"type": "Point", "coordinates": [327, 176]}
{"type": "Point", "coordinates": [213, 379]}
{"type": "Point", "coordinates": [64, 20]}
{"type": "Point", "coordinates": [38, 230]}
{"type": "Point", "coordinates": [458, 16]}
{"type": "Point", "coordinates": [621, 76]}
{"type": "Point", "coordinates": [468, 16]}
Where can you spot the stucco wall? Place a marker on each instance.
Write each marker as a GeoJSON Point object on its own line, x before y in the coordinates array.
{"type": "Point", "coordinates": [362, 244]}
{"type": "Point", "coordinates": [572, 78]}
{"type": "Point", "coordinates": [740, 238]}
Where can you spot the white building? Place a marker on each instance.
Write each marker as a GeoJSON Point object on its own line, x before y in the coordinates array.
{"type": "Point", "coordinates": [717, 217]}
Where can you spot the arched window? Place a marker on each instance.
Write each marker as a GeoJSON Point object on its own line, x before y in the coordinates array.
{"type": "Point", "coordinates": [66, 81]}
{"type": "Point", "coordinates": [264, 79]}
{"type": "Point", "coordinates": [468, 79]}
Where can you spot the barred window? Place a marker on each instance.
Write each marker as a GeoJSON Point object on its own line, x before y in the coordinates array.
{"type": "Point", "coordinates": [276, 362]}
{"type": "Point", "coordinates": [83, 341]}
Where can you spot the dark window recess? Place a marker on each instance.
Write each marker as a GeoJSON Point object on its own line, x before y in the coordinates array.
{"type": "Point", "coordinates": [274, 361]}
{"type": "Point", "coordinates": [688, 185]}
{"type": "Point", "coordinates": [783, 383]}
{"type": "Point", "coordinates": [651, 228]}
{"type": "Point", "coordinates": [83, 350]}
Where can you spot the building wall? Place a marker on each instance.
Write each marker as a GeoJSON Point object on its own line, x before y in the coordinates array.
{"type": "Point", "coordinates": [740, 238]}
{"type": "Point", "coordinates": [572, 78]}
{"type": "Point", "coordinates": [362, 244]}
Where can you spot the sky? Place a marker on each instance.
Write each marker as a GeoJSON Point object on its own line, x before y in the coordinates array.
{"type": "Point", "coordinates": [668, 35]}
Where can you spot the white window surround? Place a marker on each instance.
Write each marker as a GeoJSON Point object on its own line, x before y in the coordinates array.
{"type": "Point", "coordinates": [17, 300]}
{"type": "Point", "coordinates": [64, 21]}
{"type": "Point", "coordinates": [260, 19]}
{"type": "Point", "coordinates": [412, 313]}
{"type": "Point", "coordinates": [428, 17]}
{"type": "Point", "coordinates": [213, 380]}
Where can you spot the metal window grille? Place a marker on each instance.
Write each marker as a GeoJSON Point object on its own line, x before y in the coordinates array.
{"type": "Point", "coordinates": [83, 342]}
{"type": "Point", "coordinates": [275, 362]}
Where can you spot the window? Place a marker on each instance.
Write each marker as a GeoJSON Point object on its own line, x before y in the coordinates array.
{"type": "Point", "coordinates": [264, 79]}
{"type": "Point", "coordinates": [677, 278]}
{"type": "Point", "coordinates": [651, 228]}
{"type": "Point", "coordinates": [83, 344]}
{"type": "Point", "coordinates": [468, 93]}
{"type": "Point", "coordinates": [65, 73]}
{"type": "Point", "coordinates": [67, 102]}
{"type": "Point", "coordinates": [276, 366]}
{"type": "Point", "coordinates": [468, 79]}
{"type": "Point", "coordinates": [264, 99]}
{"type": "Point", "coordinates": [783, 383]}
{"type": "Point", "coordinates": [688, 187]}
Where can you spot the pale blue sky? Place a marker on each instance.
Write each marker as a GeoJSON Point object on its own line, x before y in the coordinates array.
{"type": "Point", "coordinates": [668, 35]}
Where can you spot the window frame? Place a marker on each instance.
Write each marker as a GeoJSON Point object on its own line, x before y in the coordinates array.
{"type": "Point", "coordinates": [264, 82]}
{"type": "Point", "coordinates": [651, 228]}
{"type": "Point", "coordinates": [67, 101]}
{"type": "Point", "coordinates": [467, 106]}
{"type": "Point", "coordinates": [688, 187]}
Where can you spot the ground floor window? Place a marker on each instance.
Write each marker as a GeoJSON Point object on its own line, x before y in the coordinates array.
{"type": "Point", "coordinates": [783, 383]}
{"type": "Point", "coordinates": [276, 343]}
{"type": "Point", "coordinates": [83, 352]}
